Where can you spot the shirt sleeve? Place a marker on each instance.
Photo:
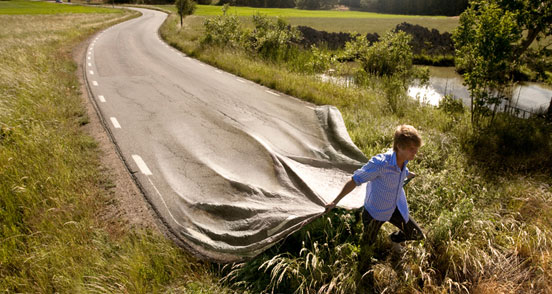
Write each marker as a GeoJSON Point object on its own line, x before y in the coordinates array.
{"type": "Point", "coordinates": [369, 171]}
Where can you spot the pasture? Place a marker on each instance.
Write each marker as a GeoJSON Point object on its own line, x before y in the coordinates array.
{"type": "Point", "coordinates": [331, 20]}
{"type": "Point", "coordinates": [19, 7]}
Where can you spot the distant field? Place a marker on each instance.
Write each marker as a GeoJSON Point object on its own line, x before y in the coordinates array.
{"type": "Point", "coordinates": [334, 21]}
{"type": "Point", "coordinates": [373, 25]}
{"type": "Point", "coordinates": [40, 7]}
{"type": "Point", "coordinates": [292, 12]}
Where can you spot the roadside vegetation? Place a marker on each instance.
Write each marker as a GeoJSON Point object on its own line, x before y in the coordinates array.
{"type": "Point", "coordinates": [53, 192]}
{"type": "Point", "coordinates": [330, 20]}
{"type": "Point", "coordinates": [483, 197]}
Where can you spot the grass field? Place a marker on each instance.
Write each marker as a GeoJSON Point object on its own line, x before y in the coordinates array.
{"type": "Point", "coordinates": [54, 233]}
{"type": "Point", "coordinates": [210, 10]}
{"type": "Point", "coordinates": [41, 7]}
{"type": "Point", "coordinates": [333, 21]}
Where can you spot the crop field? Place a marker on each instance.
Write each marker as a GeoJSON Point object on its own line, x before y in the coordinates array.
{"type": "Point", "coordinates": [333, 21]}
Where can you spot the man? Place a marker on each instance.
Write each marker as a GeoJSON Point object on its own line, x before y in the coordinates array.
{"type": "Point", "coordinates": [385, 199]}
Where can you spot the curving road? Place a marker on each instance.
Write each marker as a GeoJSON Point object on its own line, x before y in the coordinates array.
{"type": "Point", "coordinates": [231, 167]}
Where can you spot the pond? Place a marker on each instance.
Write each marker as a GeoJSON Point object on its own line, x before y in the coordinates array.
{"type": "Point", "coordinates": [444, 80]}
{"type": "Point", "coordinates": [528, 97]}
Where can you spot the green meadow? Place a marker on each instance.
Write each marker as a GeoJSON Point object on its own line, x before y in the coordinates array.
{"type": "Point", "coordinates": [332, 21]}
{"type": "Point", "coordinates": [15, 7]}
{"type": "Point", "coordinates": [210, 10]}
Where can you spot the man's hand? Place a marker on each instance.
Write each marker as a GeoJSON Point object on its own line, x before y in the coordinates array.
{"type": "Point", "coordinates": [410, 176]}
{"type": "Point", "coordinates": [349, 186]}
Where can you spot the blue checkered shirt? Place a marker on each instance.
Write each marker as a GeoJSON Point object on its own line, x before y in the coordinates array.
{"type": "Point", "coordinates": [384, 190]}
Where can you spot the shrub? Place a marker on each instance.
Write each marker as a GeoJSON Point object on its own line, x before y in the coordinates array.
{"type": "Point", "coordinates": [451, 105]}
{"type": "Point", "coordinates": [390, 62]}
{"type": "Point", "coordinates": [390, 56]}
{"type": "Point", "coordinates": [501, 145]}
{"type": "Point", "coordinates": [222, 31]}
{"type": "Point", "coordinates": [271, 40]}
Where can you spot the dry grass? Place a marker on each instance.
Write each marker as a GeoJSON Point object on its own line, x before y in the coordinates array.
{"type": "Point", "coordinates": [52, 189]}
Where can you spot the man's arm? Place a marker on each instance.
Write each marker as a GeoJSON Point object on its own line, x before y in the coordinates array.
{"type": "Point", "coordinates": [347, 188]}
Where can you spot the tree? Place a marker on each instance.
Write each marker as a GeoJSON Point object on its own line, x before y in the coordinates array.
{"type": "Point", "coordinates": [490, 42]}
{"type": "Point", "coordinates": [533, 17]}
{"type": "Point", "coordinates": [184, 7]}
{"type": "Point", "coordinates": [390, 60]}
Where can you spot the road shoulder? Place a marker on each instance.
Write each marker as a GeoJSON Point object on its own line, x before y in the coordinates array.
{"type": "Point", "coordinates": [127, 206]}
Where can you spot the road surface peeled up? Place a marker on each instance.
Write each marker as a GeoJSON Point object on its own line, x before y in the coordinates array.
{"type": "Point", "coordinates": [231, 167]}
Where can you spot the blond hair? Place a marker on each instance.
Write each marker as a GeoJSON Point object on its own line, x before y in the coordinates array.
{"type": "Point", "coordinates": [406, 135]}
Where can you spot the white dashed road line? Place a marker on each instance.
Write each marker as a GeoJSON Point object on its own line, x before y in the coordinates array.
{"type": "Point", "coordinates": [91, 72]}
{"type": "Point", "coordinates": [102, 98]}
{"type": "Point", "coordinates": [115, 123]}
{"type": "Point", "coordinates": [95, 83]}
{"type": "Point", "coordinates": [270, 92]}
{"type": "Point", "coordinates": [241, 81]}
{"type": "Point", "coordinates": [141, 165]}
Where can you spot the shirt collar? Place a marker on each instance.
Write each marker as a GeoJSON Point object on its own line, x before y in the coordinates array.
{"type": "Point", "coordinates": [394, 160]}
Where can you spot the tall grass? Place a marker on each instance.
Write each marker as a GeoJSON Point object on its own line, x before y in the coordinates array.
{"type": "Point", "coordinates": [52, 189]}
{"type": "Point", "coordinates": [488, 226]}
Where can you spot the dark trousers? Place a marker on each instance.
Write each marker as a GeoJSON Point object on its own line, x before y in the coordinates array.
{"type": "Point", "coordinates": [407, 230]}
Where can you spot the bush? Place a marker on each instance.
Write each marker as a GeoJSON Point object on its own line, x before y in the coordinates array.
{"type": "Point", "coordinates": [390, 56]}
{"type": "Point", "coordinates": [502, 145]}
{"type": "Point", "coordinates": [222, 31]}
{"type": "Point", "coordinates": [320, 60]}
{"type": "Point", "coordinates": [451, 105]}
{"type": "Point", "coordinates": [271, 40]}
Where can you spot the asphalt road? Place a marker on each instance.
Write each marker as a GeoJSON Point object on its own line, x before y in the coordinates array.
{"type": "Point", "coordinates": [230, 166]}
